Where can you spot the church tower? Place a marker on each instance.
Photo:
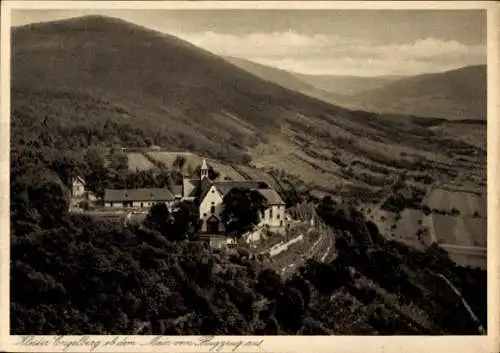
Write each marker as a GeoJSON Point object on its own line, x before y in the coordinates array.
{"type": "Point", "coordinates": [204, 169]}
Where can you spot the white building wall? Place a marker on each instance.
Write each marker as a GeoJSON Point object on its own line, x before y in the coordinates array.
{"type": "Point", "coordinates": [274, 216]}
{"type": "Point", "coordinates": [187, 187]}
{"type": "Point", "coordinates": [212, 198]}
{"type": "Point", "coordinates": [138, 204]}
{"type": "Point", "coordinates": [113, 204]}
{"type": "Point", "coordinates": [78, 189]}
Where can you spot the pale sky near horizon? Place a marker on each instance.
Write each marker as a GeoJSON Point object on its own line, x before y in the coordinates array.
{"type": "Point", "coordinates": [339, 42]}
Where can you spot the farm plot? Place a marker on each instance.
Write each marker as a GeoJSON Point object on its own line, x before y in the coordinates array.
{"type": "Point", "coordinates": [463, 231]}
{"type": "Point", "coordinates": [476, 203]}
{"type": "Point", "coordinates": [476, 227]}
{"type": "Point", "coordinates": [226, 171]}
{"type": "Point", "coordinates": [466, 202]}
{"type": "Point", "coordinates": [443, 227]}
{"type": "Point", "coordinates": [256, 174]}
{"type": "Point", "coordinates": [439, 199]}
{"type": "Point", "coordinates": [168, 158]}
{"type": "Point", "coordinates": [408, 226]}
{"type": "Point", "coordinates": [137, 161]}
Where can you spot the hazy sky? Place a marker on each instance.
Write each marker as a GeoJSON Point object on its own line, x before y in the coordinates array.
{"type": "Point", "coordinates": [345, 42]}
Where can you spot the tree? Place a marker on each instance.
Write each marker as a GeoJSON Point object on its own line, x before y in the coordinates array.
{"type": "Point", "coordinates": [119, 161]}
{"type": "Point", "coordinates": [269, 284]}
{"type": "Point", "coordinates": [326, 207]}
{"type": "Point", "coordinates": [242, 208]}
{"type": "Point", "coordinates": [186, 220]}
{"type": "Point", "coordinates": [65, 168]}
{"type": "Point", "coordinates": [290, 309]}
{"type": "Point", "coordinates": [212, 173]}
{"type": "Point", "coordinates": [50, 198]}
{"type": "Point", "coordinates": [158, 218]}
{"type": "Point", "coordinates": [95, 177]}
{"type": "Point", "coordinates": [179, 162]}
{"type": "Point", "coordinates": [176, 177]}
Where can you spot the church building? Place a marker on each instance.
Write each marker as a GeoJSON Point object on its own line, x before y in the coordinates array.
{"type": "Point", "coordinates": [211, 195]}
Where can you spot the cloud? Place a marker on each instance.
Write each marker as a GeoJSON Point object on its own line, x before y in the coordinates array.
{"type": "Point", "coordinates": [322, 54]}
{"type": "Point", "coordinates": [269, 44]}
{"type": "Point", "coordinates": [358, 66]}
{"type": "Point", "coordinates": [431, 48]}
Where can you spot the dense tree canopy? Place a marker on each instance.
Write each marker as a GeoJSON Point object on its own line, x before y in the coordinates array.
{"type": "Point", "coordinates": [72, 274]}
{"type": "Point", "coordinates": [242, 209]}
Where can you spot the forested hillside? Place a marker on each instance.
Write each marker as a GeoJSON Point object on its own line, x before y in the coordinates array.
{"type": "Point", "coordinates": [72, 274]}
{"type": "Point", "coordinates": [85, 84]}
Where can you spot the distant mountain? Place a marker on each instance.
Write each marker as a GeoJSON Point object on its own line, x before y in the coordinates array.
{"type": "Point", "coordinates": [346, 85]}
{"type": "Point", "coordinates": [97, 80]}
{"type": "Point", "coordinates": [183, 96]}
{"type": "Point", "coordinates": [285, 78]}
{"type": "Point", "coordinates": [455, 94]}
{"type": "Point", "coordinates": [459, 93]}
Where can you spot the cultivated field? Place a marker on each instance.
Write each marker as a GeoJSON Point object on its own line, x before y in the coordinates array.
{"type": "Point", "coordinates": [227, 172]}
{"type": "Point", "coordinates": [136, 161]}
{"type": "Point", "coordinates": [415, 229]}
{"type": "Point", "coordinates": [168, 158]}
{"type": "Point", "coordinates": [257, 174]}
{"type": "Point", "coordinates": [472, 134]}
{"type": "Point", "coordinates": [408, 227]}
{"type": "Point", "coordinates": [467, 203]}
{"type": "Point", "coordinates": [463, 231]}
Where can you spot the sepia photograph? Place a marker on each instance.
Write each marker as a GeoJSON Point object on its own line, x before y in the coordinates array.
{"type": "Point", "coordinates": [258, 172]}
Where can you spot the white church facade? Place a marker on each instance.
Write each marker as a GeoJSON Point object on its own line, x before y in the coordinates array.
{"type": "Point", "coordinates": [211, 203]}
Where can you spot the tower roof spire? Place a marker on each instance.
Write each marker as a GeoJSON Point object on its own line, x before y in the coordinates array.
{"type": "Point", "coordinates": [204, 164]}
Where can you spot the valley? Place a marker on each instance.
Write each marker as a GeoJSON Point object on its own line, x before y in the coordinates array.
{"type": "Point", "coordinates": [456, 207]}
{"type": "Point", "coordinates": [134, 161]}
{"type": "Point", "coordinates": [246, 127]}
{"type": "Point", "coordinates": [455, 94]}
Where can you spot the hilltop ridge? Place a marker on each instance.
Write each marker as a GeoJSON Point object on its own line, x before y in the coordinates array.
{"type": "Point", "coordinates": [83, 78]}
{"type": "Point", "coordinates": [453, 94]}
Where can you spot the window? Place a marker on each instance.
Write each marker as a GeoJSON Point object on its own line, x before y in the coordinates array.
{"type": "Point", "coordinates": [204, 214]}
{"type": "Point", "coordinates": [277, 216]}
{"type": "Point", "coordinates": [281, 223]}
{"type": "Point", "coordinates": [212, 209]}
{"type": "Point", "coordinates": [270, 213]}
{"type": "Point", "coordinates": [110, 204]}
{"type": "Point", "coordinates": [142, 205]}
{"type": "Point", "coordinates": [213, 191]}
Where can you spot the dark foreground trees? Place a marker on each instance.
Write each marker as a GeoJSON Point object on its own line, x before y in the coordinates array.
{"type": "Point", "coordinates": [242, 209]}
{"type": "Point", "coordinates": [77, 275]}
